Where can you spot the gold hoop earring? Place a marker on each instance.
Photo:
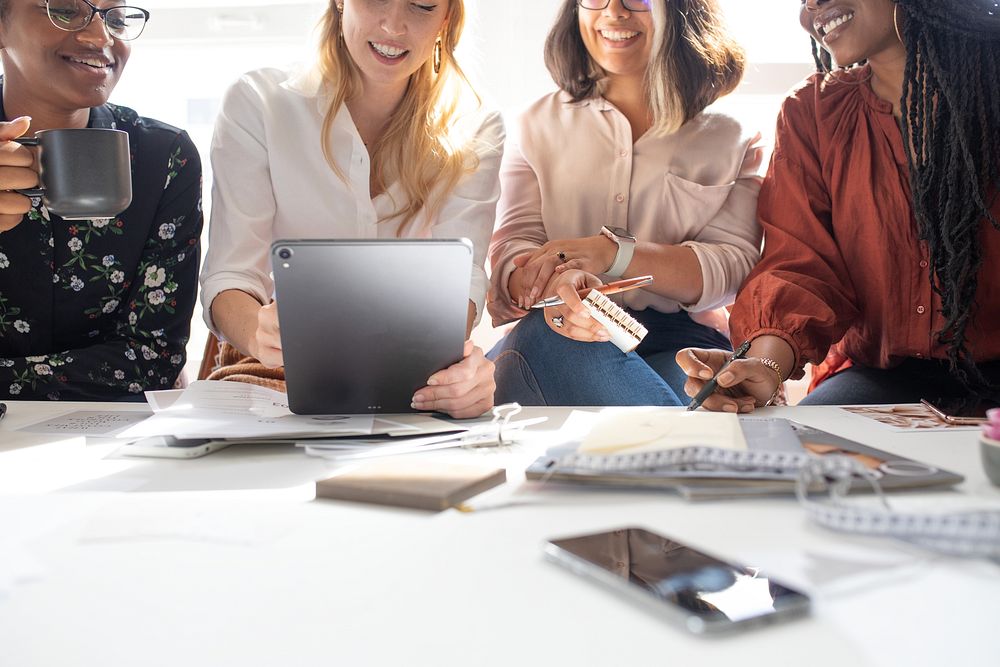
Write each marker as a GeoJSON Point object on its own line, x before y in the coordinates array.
{"type": "Point", "coordinates": [437, 57]}
{"type": "Point", "coordinates": [895, 21]}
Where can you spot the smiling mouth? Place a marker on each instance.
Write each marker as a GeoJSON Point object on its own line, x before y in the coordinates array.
{"type": "Point", "coordinates": [387, 51]}
{"type": "Point", "coordinates": [825, 28]}
{"type": "Point", "coordinates": [618, 35]}
{"type": "Point", "coordinates": [95, 63]}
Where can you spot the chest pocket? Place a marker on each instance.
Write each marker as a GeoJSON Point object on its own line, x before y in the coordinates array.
{"type": "Point", "coordinates": [690, 206]}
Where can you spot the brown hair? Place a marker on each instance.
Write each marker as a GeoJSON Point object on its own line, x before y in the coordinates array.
{"type": "Point", "coordinates": [694, 60]}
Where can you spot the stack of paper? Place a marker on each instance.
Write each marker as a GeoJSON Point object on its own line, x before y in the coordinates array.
{"type": "Point", "coordinates": [235, 411]}
{"type": "Point", "coordinates": [244, 413]}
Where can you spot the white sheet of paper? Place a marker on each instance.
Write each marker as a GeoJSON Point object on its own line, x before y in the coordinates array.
{"type": "Point", "coordinates": [659, 429]}
{"type": "Point", "coordinates": [235, 410]}
{"type": "Point", "coordinates": [87, 422]}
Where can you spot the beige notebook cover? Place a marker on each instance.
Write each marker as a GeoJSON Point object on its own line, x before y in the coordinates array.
{"type": "Point", "coordinates": [408, 483]}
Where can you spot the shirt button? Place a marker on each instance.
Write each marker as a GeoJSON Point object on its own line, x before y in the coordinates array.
{"type": "Point", "coordinates": [923, 264]}
{"type": "Point", "coordinates": [623, 154]}
{"type": "Point", "coordinates": [619, 198]}
{"type": "Point", "coordinates": [920, 310]}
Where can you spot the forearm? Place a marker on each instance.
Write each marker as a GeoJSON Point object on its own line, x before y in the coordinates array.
{"type": "Point", "coordinates": [235, 315]}
{"type": "Point", "coordinates": [471, 320]}
{"type": "Point", "coordinates": [675, 269]}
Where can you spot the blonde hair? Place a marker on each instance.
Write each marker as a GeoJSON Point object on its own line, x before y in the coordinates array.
{"type": "Point", "coordinates": [420, 146]}
{"type": "Point", "coordinates": [693, 61]}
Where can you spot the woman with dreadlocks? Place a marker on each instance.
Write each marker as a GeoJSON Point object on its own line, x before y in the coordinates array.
{"type": "Point", "coordinates": [880, 212]}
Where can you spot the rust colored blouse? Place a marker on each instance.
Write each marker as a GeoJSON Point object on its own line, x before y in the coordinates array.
{"type": "Point", "coordinates": [843, 263]}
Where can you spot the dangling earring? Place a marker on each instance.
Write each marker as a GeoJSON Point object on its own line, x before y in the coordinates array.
{"type": "Point", "coordinates": [340, 29]}
{"type": "Point", "coordinates": [437, 57]}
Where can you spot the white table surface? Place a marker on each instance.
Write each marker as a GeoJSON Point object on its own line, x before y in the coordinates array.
{"type": "Point", "coordinates": [229, 560]}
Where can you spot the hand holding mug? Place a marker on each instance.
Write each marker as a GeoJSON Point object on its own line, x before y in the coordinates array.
{"type": "Point", "coordinates": [18, 170]}
{"type": "Point", "coordinates": [84, 173]}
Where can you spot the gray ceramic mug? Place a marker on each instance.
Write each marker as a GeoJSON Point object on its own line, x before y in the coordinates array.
{"type": "Point", "coordinates": [85, 172]}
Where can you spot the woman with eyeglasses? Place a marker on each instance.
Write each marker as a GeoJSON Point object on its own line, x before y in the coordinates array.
{"type": "Point", "coordinates": [623, 173]}
{"type": "Point", "coordinates": [91, 309]}
{"type": "Point", "coordinates": [383, 138]}
{"type": "Point", "coordinates": [881, 215]}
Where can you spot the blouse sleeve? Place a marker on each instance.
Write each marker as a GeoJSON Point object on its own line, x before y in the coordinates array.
{"type": "Point", "coordinates": [470, 209]}
{"type": "Point", "coordinates": [801, 290]}
{"type": "Point", "coordinates": [144, 349]}
{"type": "Point", "coordinates": [243, 204]}
{"type": "Point", "coordinates": [519, 230]}
{"type": "Point", "coordinates": [728, 247]}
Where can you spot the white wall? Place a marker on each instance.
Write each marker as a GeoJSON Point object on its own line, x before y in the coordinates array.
{"type": "Point", "coordinates": [193, 49]}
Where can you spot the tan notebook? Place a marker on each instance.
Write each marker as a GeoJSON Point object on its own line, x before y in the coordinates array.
{"type": "Point", "coordinates": [408, 483]}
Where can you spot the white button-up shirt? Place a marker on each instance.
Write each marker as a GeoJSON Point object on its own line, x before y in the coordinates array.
{"type": "Point", "coordinates": [575, 168]}
{"type": "Point", "coordinates": [272, 182]}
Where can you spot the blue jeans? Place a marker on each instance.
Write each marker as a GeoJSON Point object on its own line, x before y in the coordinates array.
{"type": "Point", "coordinates": [909, 382]}
{"type": "Point", "coordinates": [537, 366]}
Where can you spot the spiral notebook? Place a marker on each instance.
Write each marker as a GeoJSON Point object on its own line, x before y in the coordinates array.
{"type": "Point", "coordinates": [706, 455]}
{"type": "Point", "coordinates": [625, 330]}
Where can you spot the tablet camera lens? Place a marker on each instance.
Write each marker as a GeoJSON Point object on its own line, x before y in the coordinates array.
{"type": "Point", "coordinates": [285, 253]}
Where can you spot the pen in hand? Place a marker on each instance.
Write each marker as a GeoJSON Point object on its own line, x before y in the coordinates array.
{"type": "Point", "coordinates": [610, 288]}
{"type": "Point", "coordinates": [713, 384]}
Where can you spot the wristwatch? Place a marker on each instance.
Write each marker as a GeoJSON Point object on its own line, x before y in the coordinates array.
{"type": "Point", "coordinates": [626, 247]}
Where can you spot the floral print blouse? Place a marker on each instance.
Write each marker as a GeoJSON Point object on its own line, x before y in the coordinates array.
{"type": "Point", "coordinates": [101, 309]}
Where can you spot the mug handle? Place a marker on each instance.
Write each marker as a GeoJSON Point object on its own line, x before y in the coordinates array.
{"type": "Point", "coordinates": [29, 192]}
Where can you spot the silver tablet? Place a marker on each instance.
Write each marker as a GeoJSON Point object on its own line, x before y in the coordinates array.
{"type": "Point", "coordinates": [364, 323]}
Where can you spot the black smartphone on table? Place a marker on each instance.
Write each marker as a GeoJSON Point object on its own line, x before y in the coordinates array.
{"type": "Point", "coordinates": [702, 593]}
{"type": "Point", "coordinates": [961, 411]}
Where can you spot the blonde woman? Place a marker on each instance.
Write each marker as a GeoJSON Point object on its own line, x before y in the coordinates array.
{"type": "Point", "coordinates": [619, 174]}
{"type": "Point", "coordinates": [382, 138]}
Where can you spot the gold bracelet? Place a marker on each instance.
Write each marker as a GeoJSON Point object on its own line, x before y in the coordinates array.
{"type": "Point", "coordinates": [773, 365]}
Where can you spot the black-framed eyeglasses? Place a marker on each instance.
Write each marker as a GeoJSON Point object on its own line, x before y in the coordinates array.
{"type": "Point", "coordinates": [74, 15]}
{"type": "Point", "coordinates": [629, 5]}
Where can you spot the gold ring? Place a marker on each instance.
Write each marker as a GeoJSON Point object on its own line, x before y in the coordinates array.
{"type": "Point", "coordinates": [561, 255]}
{"type": "Point", "coordinates": [557, 321]}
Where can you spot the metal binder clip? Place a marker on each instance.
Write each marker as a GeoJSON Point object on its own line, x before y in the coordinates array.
{"type": "Point", "coordinates": [501, 418]}
{"type": "Point", "coordinates": [499, 431]}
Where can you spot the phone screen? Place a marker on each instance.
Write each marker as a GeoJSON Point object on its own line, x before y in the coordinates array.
{"type": "Point", "coordinates": [972, 407]}
{"type": "Point", "coordinates": [712, 593]}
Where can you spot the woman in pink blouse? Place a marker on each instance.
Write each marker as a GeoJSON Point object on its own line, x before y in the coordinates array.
{"type": "Point", "coordinates": [623, 173]}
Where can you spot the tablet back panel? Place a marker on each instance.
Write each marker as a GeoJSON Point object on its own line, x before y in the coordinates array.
{"type": "Point", "coordinates": [364, 323]}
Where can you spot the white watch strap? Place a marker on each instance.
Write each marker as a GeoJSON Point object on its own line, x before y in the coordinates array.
{"type": "Point", "coordinates": [626, 248]}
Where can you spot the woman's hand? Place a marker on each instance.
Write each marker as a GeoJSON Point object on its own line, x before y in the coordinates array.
{"type": "Point", "coordinates": [744, 385]}
{"type": "Point", "coordinates": [576, 321]}
{"type": "Point", "coordinates": [462, 390]}
{"type": "Point", "coordinates": [17, 171]}
{"type": "Point", "coordinates": [265, 344]}
{"type": "Point", "coordinates": [593, 254]}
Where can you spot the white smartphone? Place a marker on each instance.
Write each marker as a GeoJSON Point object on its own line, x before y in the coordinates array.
{"type": "Point", "coordinates": [702, 593]}
{"type": "Point", "coordinates": [169, 447]}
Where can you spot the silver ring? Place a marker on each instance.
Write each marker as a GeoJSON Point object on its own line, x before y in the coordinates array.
{"type": "Point", "coordinates": [557, 321]}
{"type": "Point", "coordinates": [561, 255]}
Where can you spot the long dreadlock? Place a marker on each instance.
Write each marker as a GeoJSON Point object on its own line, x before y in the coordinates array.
{"type": "Point", "coordinates": [951, 121]}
